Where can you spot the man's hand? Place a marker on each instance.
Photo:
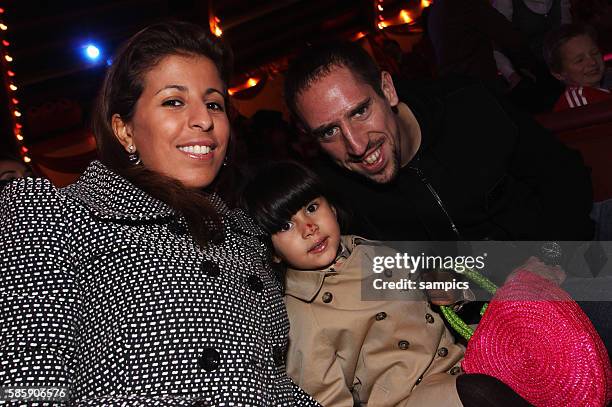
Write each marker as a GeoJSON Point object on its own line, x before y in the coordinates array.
{"type": "Point", "coordinates": [442, 297]}
{"type": "Point", "coordinates": [536, 266]}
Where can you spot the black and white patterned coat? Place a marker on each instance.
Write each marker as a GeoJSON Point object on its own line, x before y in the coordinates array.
{"type": "Point", "coordinates": [103, 290]}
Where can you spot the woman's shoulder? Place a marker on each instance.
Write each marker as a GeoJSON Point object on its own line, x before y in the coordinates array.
{"type": "Point", "coordinates": [241, 221]}
{"type": "Point", "coordinates": [31, 201]}
{"type": "Point", "coordinates": [30, 192]}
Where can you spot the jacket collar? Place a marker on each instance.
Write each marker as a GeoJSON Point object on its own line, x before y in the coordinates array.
{"type": "Point", "coordinates": [306, 284]}
{"type": "Point", "coordinates": [110, 196]}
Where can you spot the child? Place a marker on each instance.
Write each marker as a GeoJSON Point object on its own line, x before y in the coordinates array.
{"type": "Point", "coordinates": [574, 58]}
{"type": "Point", "coordinates": [342, 350]}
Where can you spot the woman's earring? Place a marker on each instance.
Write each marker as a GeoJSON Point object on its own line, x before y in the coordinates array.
{"type": "Point", "coordinates": [133, 157]}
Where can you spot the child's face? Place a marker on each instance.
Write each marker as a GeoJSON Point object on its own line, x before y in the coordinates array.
{"type": "Point", "coordinates": [581, 61]}
{"type": "Point", "coordinates": [310, 240]}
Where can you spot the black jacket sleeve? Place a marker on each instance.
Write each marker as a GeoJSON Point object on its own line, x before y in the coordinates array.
{"type": "Point", "coordinates": [558, 176]}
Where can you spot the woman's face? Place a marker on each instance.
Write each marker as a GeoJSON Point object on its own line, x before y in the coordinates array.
{"type": "Point", "coordinates": [180, 126]}
{"type": "Point", "coordinates": [581, 61]}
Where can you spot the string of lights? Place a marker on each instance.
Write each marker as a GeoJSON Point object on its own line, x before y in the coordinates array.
{"type": "Point", "coordinates": [404, 16]}
{"type": "Point", "coordinates": [215, 28]}
{"type": "Point", "coordinates": [11, 89]}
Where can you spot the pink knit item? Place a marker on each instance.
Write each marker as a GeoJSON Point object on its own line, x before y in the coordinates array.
{"type": "Point", "coordinates": [537, 340]}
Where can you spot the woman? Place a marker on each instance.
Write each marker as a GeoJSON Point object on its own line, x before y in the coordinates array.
{"type": "Point", "coordinates": [137, 284]}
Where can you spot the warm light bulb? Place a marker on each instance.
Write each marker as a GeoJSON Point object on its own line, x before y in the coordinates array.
{"type": "Point", "coordinates": [8, 58]}
{"type": "Point", "coordinates": [19, 137]}
{"type": "Point", "coordinates": [26, 159]}
{"type": "Point", "coordinates": [3, 27]}
{"type": "Point", "coordinates": [17, 113]}
{"type": "Point", "coordinates": [359, 35]}
{"type": "Point", "coordinates": [405, 16]}
{"type": "Point", "coordinates": [252, 82]}
{"type": "Point", "coordinates": [218, 31]}
{"type": "Point", "coordinates": [13, 87]}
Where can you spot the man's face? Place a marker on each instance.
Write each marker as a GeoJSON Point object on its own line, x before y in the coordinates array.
{"type": "Point", "coordinates": [353, 123]}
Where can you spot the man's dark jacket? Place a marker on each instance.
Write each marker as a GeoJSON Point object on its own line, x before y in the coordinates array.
{"type": "Point", "coordinates": [483, 166]}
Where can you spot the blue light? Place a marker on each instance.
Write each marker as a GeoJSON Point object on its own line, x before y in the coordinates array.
{"type": "Point", "coordinates": [92, 52]}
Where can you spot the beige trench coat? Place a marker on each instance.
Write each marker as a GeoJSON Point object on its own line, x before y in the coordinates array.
{"type": "Point", "coordinates": [380, 353]}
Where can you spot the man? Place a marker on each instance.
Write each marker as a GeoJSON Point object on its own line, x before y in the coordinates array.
{"type": "Point", "coordinates": [444, 162]}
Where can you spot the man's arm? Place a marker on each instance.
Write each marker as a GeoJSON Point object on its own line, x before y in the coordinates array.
{"type": "Point", "coordinates": [557, 175]}
{"type": "Point", "coordinates": [504, 7]}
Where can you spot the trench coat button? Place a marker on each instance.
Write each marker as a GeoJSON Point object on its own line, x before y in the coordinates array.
{"type": "Point", "coordinates": [278, 354]}
{"type": "Point", "coordinates": [419, 380]}
{"type": "Point", "coordinates": [388, 273]}
{"type": "Point", "coordinates": [442, 352]}
{"type": "Point", "coordinates": [255, 283]}
{"type": "Point", "coordinates": [210, 268]}
{"type": "Point", "coordinates": [429, 318]}
{"type": "Point", "coordinates": [177, 228]}
{"type": "Point", "coordinates": [209, 359]}
{"type": "Point", "coordinates": [455, 371]}
{"type": "Point", "coordinates": [403, 345]}
{"type": "Point", "coordinates": [327, 297]}
{"type": "Point", "coordinates": [381, 315]}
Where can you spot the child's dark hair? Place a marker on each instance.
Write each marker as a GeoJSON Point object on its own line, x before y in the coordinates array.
{"type": "Point", "coordinates": [278, 191]}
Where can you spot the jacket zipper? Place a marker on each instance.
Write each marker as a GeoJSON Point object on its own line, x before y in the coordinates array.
{"type": "Point", "coordinates": [435, 194]}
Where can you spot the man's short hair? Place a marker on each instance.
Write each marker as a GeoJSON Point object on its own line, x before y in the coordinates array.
{"type": "Point", "coordinates": [317, 62]}
{"type": "Point", "coordinates": [559, 37]}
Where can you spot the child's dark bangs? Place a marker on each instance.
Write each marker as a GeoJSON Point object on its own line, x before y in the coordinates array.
{"type": "Point", "coordinates": [296, 196]}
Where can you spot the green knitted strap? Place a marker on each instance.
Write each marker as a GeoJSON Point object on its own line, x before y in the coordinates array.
{"type": "Point", "coordinates": [455, 320]}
